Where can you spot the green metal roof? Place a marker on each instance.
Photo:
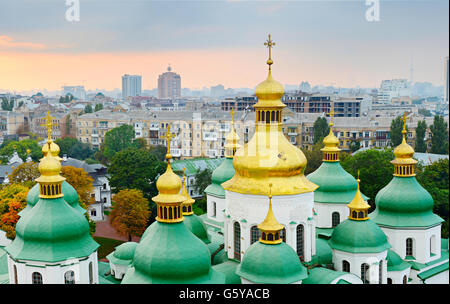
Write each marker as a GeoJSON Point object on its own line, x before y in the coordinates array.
{"type": "Point", "coordinates": [358, 237]}
{"type": "Point", "coordinates": [70, 196]}
{"type": "Point", "coordinates": [336, 185]}
{"type": "Point", "coordinates": [228, 268]}
{"type": "Point", "coordinates": [324, 254]}
{"type": "Point", "coordinates": [404, 203]}
{"type": "Point", "coordinates": [320, 275]}
{"type": "Point", "coordinates": [103, 277]}
{"type": "Point", "coordinates": [123, 254]}
{"type": "Point", "coordinates": [220, 175]}
{"type": "Point", "coordinates": [433, 271]}
{"type": "Point", "coordinates": [395, 262]}
{"type": "Point", "coordinates": [171, 254]}
{"type": "Point", "coordinates": [52, 231]}
{"type": "Point", "coordinates": [419, 266]}
{"type": "Point", "coordinates": [195, 165]}
{"type": "Point", "coordinates": [196, 226]}
{"type": "Point", "coordinates": [271, 264]}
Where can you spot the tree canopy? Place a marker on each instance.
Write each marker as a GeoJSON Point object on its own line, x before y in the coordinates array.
{"type": "Point", "coordinates": [129, 213]}
{"type": "Point", "coordinates": [321, 129]}
{"type": "Point", "coordinates": [396, 131]}
{"type": "Point", "coordinates": [72, 147]}
{"type": "Point", "coordinates": [25, 174]}
{"type": "Point", "coordinates": [118, 139]}
{"type": "Point", "coordinates": [202, 180]}
{"type": "Point", "coordinates": [21, 147]}
{"type": "Point", "coordinates": [421, 145]}
{"type": "Point", "coordinates": [13, 198]}
{"type": "Point", "coordinates": [439, 138]}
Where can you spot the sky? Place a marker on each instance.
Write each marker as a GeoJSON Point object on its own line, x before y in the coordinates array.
{"type": "Point", "coordinates": [214, 42]}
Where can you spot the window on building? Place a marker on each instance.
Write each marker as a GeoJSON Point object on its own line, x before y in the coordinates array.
{"type": "Point", "coordinates": [93, 212]}
{"type": "Point", "coordinates": [237, 241]}
{"type": "Point", "coordinates": [283, 235]}
{"type": "Point", "coordinates": [345, 266]}
{"type": "Point", "coordinates": [214, 209]}
{"type": "Point", "coordinates": [300, 241]}
{"type": "Point", "coordinates": [335, 219]}
{"type": "Point", "coordinates": [409, 247]}
{"type": "Point", "coordinates": [380, 272]}
{"type": "Point", "coordinates": [405, 279]}
{"type": "Point", "coordinates": [365, 273]}
{"type": "Point", "coordinates": [36, 278]}
{"type": "Point", "coordinates": [91, 274]}
{"type": "Point", "coordinates": [69, 277]}
{"type": "Point", "coordinates": [255, 234]}
{"type": "Point", "coordinates": [389, 280]}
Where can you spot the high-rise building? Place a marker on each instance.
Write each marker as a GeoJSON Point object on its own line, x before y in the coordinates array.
{"type": "Point", "coordinates": [217, 91]}
{"type": "Point", "coordinates": [76, 91]}
{"type": "Point", "coordinates": [131, 85]}
{"type": "Point", "coordinates": [393, 88]}
{"type": "Point", "coordinates": [446, 84]}
{"type": "Point", "coordinates": [169, 84]}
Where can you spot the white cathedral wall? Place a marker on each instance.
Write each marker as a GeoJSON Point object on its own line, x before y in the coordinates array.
{"type": "Point", "coordinates": [397, 276]}
{"type": "Point", "coordinates": [289, 210]}
{"type": "Point", "coordinates": [54, 273]}
{"type": "Point", "coordinates": [118, 270]}
{"type": "Point", "coordinates": [324, 213]}
{"type": "Point", "coordinates": [4, 241]}
{"type": "Point", "coordinates": [357, 259]}
{"type": "Point", "coordinates": [425, 242]}
{"type": "Point", "coordinates": [215, 206]}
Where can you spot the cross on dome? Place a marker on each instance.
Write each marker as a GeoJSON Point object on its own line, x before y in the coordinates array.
{"type": "Point", "coordinates": [49, 125]}
{"type": "Point", "coordinates": [269, 43]}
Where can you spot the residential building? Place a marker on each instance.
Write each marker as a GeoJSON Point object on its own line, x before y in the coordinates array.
{"type": "Point", "coordinates": [131, 85]}
{"type": "Point", "coordinates": [169, 84]}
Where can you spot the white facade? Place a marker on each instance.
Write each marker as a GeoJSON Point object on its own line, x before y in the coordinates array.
{"type": "Point", "coordinates": [215, 208]}
{"type": "Point", "coordinates": [96, 212]}
{"type": "Point", "coordinates": [117, 270]}
{"type": "Point", "coordinates": [4, 241]}
{"type": "Point", "coordinates": [393, 88]}
{"type": "Point", "coordinates": [325, 213]}
{"type": "Point", "coordinates": [398, 277]}
{"type": "Point", "coordinates": [426, 243]}
{"type": "Point", "coordinates": [292, 211]}
{"type": "Point", "coordinates": [80, 270]}
{"type": "Point", "coordinates": [356, 260]}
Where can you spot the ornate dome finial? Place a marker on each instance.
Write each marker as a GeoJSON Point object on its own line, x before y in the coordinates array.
{"type": "Point", "coordinates": [403, 162]}
{"type": "Point", "coordinates": [270, 228]}
{"type": "Point", "coordinates": [331, 143]}
{"type": "Point", "coordinates": [358, 207]}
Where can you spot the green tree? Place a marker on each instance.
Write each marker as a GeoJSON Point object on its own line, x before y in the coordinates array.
{"type": "Point", "coordinates": [435, 179]}
{"type": "Point", "coordinates": [202, 180]}
{"type": "Point", "coordinates": [159, 151]}
{"type": "Point", "coordinates": [98, 107]}
{"type": "Point", "coordinates": [439, 136]}
{"type": "Point", "coordinates": [321, 129]}
{"type": "Point", "coordinates": [21, 147]}
{"type": "Point", "coordinates": [136, 169]}
{"type": "Point", "coordinates": [375, 170]}
{"type": "Point", "coordinates": [130, 213]}
{"type": "Point", "coordinates": [396, 131]}
{"type": "Point", "coordinates": [314, 158]}
{"type": "Point", "coordinates": [88, 108]}
{"type": "Point", "coordinates": [355, 145]}
{"type": "Point", "coordinates": [421, 130]}
{"type": "Point", "coordinates": [7, 105]}
{"type": "Point", "coordinates": [118, 139]}
{"type": "Point", "coordinates": [25, 174]}
{"type": "Point", "coordinates": [425, 112]}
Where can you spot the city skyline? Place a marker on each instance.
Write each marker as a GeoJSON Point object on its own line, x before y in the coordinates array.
{"type": "Point", "coordinates": [207, 45]}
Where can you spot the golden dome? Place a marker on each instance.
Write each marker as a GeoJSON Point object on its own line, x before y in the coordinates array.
{"type": "Point", "coordinates": [270, 228]}
{"type": "Point", "coordinates": [270, 91]}
{"type": "Point", "coordinates": [51, 146]}
{"type": "Point", "coordinates": [269, 157]}
{"type": "Point", "coordinates": [404, 152]}
{"type": "Point", "coordinates": [169, 186]}
{"type": "Point", "coordinates": [358, 202]}
{"type": "Point", "coordinates": [49, 167]}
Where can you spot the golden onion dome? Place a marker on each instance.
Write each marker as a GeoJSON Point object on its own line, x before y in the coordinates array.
{"type": "Point", "coordinates": [269, 93]}
{"type": "Point", "coordinates": [358, 201]}
{"type": "Point", "coordinates": [49, 167]}
{"type": "Point", "coordinates": [169, 186]}
{"type": "Point", "coordinates": [51, 146]}
{"type": "Point", "coordinates": [404, 152]}
{"type": "Point", "coordinates": [269, 157]}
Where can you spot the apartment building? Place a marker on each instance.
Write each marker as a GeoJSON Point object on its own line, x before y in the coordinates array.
{"type": "Point", "coordinates": [197, 134]}
{"type": "Point", "coordinates": [11, 123]}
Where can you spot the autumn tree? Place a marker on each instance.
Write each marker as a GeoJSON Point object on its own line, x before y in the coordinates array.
{"type": "Point", "coordinates": [25, 174]}
{"type": "Point", "coordinates": [81, 181]}
{"type": "Point", "coordinates": [129, 213]}
{"type": "Point", "coordinates": [13, 198]}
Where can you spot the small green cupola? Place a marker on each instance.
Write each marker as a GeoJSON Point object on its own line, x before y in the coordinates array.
{"type": "Point", "coordinates": [336, 186]}
{"type": "Point", "coordinates": [51, 231]}
{"type": "Point", "coordinates": [191, 220]}
{"type": "Point", "coordinates": [168, 252]}
{"type": "Point", "coordinates": [270, 260]}
{"type": "Point", "coordinates": [404, 202]}
{"type": "Point", "coordinates": [358, 234]}
{"type": "Point", "coordinates": [225, 171]}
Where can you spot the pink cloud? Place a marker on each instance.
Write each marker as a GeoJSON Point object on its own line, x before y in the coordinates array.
{"type": "Point", "coordinates": [8, 43]}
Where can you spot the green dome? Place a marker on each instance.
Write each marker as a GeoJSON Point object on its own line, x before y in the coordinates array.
{"type": "Point", "coordinates": [52, 231]}
{"type": "Point", "coordinates": [170, 253]}
{"type": "Point", "coordinates": [404, 203]}
{"type": "Point", "coordinates": [70, 196]}
{"type": "Point", "coordinates": [335, 184]}
{"type": "Point", "coordinates": [195, 225]}
{"type": "Point", "coordinates": [358, 237]}
{"type": "Point", "coordinates": [271, 264]}
{"type": "Point", "coordinates": [224, 172]}
{"type": "Point", "coordinates": [123, 254]}
{"type": "Point", "coordinates": [395, 262]}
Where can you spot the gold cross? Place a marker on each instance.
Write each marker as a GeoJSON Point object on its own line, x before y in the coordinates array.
{"type": "Point", "coordinates": [331, 116]}
{"type": "Point", "coordinates": [168, 137]}
{"type": "Point", "coordinates": [269, 43]}
{"type": "Point", "coordinates": [404, 121]}
{"type": "Point", "coordinates": [49, 125]}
